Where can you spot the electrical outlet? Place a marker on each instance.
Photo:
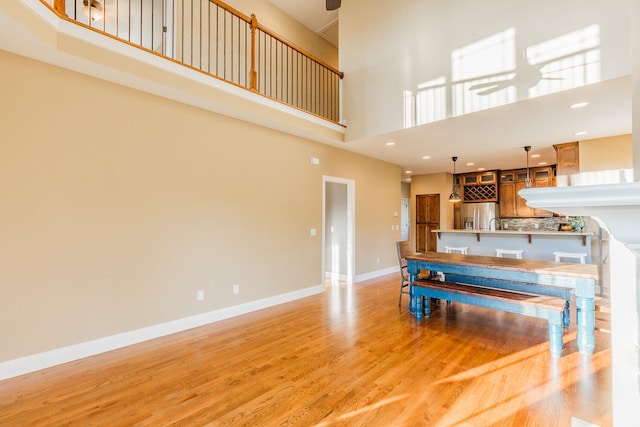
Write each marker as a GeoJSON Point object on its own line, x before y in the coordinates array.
{"type": "Point", "coordinates": [536, 226]}
{"type": "Point", "coordinates": [377, 260]}
{"type": "Point", "coordinates": [200, 295]}
{"type": "Point", "coordinates": [236, 289]}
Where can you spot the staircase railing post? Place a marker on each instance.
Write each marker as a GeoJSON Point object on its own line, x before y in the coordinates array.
{"type": "Point", "coordinates": [60, 6]}
{"type": "Point", "coordinates": [253, 72]}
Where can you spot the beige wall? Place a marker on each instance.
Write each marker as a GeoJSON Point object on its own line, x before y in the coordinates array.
{"type": "Point", "coordinates": [117, 206]}
{"type": "Point", "coordinates": [437, 183]}
{"type": "Point", "coordinates": [603, 154]}
{"type": "Point", "coordinates": [406, 189]}
{"type": "Point", "coordinates": [285, 26]}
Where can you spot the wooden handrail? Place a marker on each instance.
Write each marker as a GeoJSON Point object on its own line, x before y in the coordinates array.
{"type": "Point", "coordinates": [253, 21]}
{"type": "Point", "coordinates": [59, 8]}
{"type": "Point", "coordinates": [300, 50]}
{"type": "Point", "coordinates": [236, 12]}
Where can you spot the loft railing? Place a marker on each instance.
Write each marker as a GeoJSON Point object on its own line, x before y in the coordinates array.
{"type": "Point", "coordinates": [213, 37]}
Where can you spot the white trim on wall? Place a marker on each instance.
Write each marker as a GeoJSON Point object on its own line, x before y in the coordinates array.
{"type": "Point", "coordinates": [35, 362]}
{"type": "Point", "coordinates": [377, 273]}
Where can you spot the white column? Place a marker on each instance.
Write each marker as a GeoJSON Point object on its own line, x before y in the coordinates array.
{"type": "Point", "coordinates": [635, 87]}
{"type": "Point", "coordinates": [625, 337]}
{"type": "Point", "coordinates": [617, 207]}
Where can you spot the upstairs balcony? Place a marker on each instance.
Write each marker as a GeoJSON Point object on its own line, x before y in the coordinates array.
{"type": "Point", "coordinates": [213, 38]}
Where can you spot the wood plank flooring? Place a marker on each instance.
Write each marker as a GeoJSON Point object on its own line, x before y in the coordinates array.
{"type": "Point", "coordinates": [347, 357]}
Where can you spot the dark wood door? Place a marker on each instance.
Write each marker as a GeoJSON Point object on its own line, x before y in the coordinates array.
{"type": "Point", "coordinates": [427, 219]}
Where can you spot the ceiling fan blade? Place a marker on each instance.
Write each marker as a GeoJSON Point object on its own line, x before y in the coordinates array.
{"type": "Point", "coordinates": [333, 4]}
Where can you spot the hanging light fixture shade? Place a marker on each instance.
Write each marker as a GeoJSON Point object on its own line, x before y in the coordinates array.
{"type": "Point", "coordinates": [454, 196]}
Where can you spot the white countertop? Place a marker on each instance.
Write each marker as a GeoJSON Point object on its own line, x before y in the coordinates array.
{"type": "Point", "coordinates": [517, 232]}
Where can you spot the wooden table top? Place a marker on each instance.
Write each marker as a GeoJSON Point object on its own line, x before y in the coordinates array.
{"type": "Point", "coordinates": [567, 269]}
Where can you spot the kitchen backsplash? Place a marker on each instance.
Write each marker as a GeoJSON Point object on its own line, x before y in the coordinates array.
{"type": "Point", "coordinates": [541, 224]}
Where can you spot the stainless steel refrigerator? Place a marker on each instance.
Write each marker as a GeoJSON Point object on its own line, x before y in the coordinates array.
{"type": "Point", "coordinates": [478, 216]}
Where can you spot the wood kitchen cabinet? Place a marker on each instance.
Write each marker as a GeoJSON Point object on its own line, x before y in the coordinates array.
{"type": "Point", "coordinates": [479, 178]}
{"type": "Point", "coordinates": [512, 181]}
{"type": "Point", "coordinates": [479, 186]}
{"type": "Point", "coordinates": [567, 158]}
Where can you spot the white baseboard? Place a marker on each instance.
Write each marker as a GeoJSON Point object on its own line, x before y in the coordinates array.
{"type": "Point", "coordinates": [342, 277]}
{"type": "Point", "coordinates": [377, 273]}
{"type": "Point", "coordinates": [363, 277]}
{"type": "Point", "coordinates": [35, 362]}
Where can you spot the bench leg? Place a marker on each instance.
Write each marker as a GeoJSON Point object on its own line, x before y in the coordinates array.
{"type": "Point", "coordinates": [419, 301]}
{"type": "Point", "coordinates": [566, 315]}
{"type": "Point", "coordinates": [555, 336]}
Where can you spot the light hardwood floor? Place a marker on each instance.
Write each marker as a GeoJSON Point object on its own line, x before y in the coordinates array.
{"type": "Point", "coordinates": [347, 357]}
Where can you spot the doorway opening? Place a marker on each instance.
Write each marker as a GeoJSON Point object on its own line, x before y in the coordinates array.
{"type": "Point", "coordinates": [338, 229]}
{"type": "Point", "coordinates": [404, 219]}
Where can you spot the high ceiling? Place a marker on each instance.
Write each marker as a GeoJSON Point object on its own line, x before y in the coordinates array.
{"type": "Point", "coordinates": [493, 138]}
{"type": "Point", "coordinates": [313, 15]}
{"type": "Point", "coordinates": [490, 139]}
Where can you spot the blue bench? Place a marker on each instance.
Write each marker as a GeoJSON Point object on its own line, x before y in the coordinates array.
{"type": "Point", "coordinates": [526, 288]}
{"type": "Point", "coordinates": [541, 306]}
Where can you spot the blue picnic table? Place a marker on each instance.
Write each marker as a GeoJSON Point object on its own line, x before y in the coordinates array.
{"type": "Point", "coordinates": [521, 275]}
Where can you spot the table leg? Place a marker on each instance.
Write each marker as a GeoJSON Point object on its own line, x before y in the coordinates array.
{"type": "Point", "coordinates": [413, 276]}
{"type": "Point", "coordinates": [585, 317]}
{"type": "Point", "coordinates": [412, 300]}
{"type": "Point", "coordinates": [418, 309]}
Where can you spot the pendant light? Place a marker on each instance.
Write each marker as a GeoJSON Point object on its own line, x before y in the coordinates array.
{"type": "Point", "coordinates": [527, 182]}
{"type": "Point", "coordinates": [454, 196]}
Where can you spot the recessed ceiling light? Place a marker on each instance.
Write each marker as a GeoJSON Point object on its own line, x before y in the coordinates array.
{"type": "Point", "coordinates": [579, 104]}
{"type": "Point", "coordinates": [407, 171]}
{"type": "Point", "coordinates": [481, 169]}
{"type": "Point", "coordinates": [542, 163]}
{"type": "Point", "coordinates": [426, 157]}
{"type": "Point", "coordinates": [390, 143]}
{"type": "Point", "coordinates": [533, 156]}
{"type": "Point", "coordinates": [408, 179]}
{"type": "Point", "coordinates": [580, 133]}
{"type": "Point", "coordinates": [470, 164]}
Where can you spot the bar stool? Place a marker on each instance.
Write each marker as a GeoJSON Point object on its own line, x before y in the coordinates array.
{"type": "Point", "coordinates": [516, 252]}
{"type": "Point", "coordinates": [459, 249]}
{"type": "Point", "coordinates": [572, 255]}
{"type": "Point", "coordinates": [453, 249]}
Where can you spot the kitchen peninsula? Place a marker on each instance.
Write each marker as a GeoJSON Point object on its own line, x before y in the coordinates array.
{"type": "Point", "coordinates": [536, 244]}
